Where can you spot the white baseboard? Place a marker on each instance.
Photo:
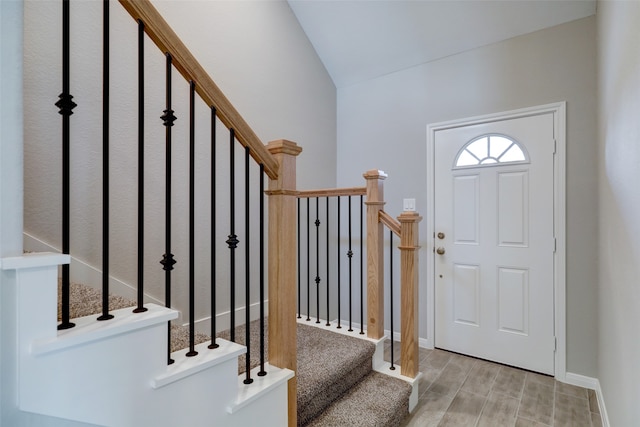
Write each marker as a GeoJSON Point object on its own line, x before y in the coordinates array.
{"type": "Point", "coordinates": [425, 343]}
{"type": "Point", "coordinates": [591, 384]}
{"type": "Point", "coordinates": [601, 405]}
{"type": "Point", "coordinates": [422, 342]}
{"type": "Point", "coordinates": [223, 320]}
{"type": "Point", "coordinates": [581, 381]}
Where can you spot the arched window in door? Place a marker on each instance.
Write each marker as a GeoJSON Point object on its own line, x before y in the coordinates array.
{"type": "Point", "coordinates": [491, 150]}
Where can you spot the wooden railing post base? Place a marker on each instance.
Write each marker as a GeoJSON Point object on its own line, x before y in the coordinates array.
{"type": "Point", "coordinates": [375, 254]}
{"type": "Point", "coordinates": [409, 248]}
{"type": "Point", "coordinates": [283, 265]}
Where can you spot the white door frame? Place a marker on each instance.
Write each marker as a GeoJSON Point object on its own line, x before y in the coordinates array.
{"type": "Point", "coordinates": [559, 218]}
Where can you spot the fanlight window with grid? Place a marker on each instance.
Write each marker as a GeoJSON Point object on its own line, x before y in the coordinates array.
{"type": "Point", "coordinates": [490, 150]}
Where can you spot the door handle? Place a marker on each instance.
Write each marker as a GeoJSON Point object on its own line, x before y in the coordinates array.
{"type": "Point", "coordinates": [440, 251]}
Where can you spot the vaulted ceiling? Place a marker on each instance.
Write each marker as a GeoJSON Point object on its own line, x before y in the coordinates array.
{"type": "Point", "coordinates": [359, 40]}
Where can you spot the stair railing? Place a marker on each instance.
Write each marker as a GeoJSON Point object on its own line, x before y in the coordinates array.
{"type": "Point", "coordinates": [277, 161]}
{"type": "Point", "coordinates": [340, 200]}
{"type": "Point", "coordinates": [324, 263]}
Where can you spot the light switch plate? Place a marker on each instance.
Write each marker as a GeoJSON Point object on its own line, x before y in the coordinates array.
{"type": "Point", "coordinates": [409, 205]}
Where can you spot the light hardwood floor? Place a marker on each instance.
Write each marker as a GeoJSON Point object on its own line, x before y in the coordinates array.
{"type": "Point", "coordinates": [457, 390]}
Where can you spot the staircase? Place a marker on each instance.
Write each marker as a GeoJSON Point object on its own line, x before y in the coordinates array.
{"type": "Point", "coordinates": [119, 369]}
{"type": "Point", "coordinates": [336, 382]}
{"type": "Point", "coordinates": [337, 385]}
{"type": "Point", "coordinates": [115, 373]}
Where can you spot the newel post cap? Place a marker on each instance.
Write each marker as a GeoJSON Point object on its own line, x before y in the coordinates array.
{"type": "Point", "coordinates": [374, 174]}
{"type": "Point", "coordinates": [409, 216]}
{"type": "Point", "coordinates": [283, 146]}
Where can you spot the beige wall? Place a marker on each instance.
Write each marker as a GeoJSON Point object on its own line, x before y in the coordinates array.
{"type": "Point", "coordinates": [619, 212]}
{"type": "Point", "coordinates": [261, 59]}
{"type": "Point", "coordinates": [382, 124]}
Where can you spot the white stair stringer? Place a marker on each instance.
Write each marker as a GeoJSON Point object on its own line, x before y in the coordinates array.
{"type": "Point", "coordinates": [115, 372]}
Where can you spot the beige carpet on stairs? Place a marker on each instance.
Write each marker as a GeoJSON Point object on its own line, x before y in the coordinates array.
{"type": "Point", "coordinates": [330, 391]}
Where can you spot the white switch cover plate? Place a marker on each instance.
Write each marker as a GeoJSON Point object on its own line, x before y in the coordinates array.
{"type": "Point", "coordinates": [409, 205]}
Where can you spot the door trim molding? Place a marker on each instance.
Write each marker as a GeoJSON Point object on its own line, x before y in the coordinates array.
{"type": "Point", "coordinates": [559, 218]}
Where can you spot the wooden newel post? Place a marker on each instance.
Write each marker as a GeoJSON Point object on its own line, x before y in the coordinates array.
{"type": "Point", "coordinates": [409, 249]}
{"type": "Point", "coordinates": [375, 254]}
{"type": "Point", "coordinates": [283, 264]}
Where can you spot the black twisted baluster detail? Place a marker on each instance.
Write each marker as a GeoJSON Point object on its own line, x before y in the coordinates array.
{"type": "Point", "coordinates": [167, 262]}
{"type": "Point", "coordinates": [65, 104]}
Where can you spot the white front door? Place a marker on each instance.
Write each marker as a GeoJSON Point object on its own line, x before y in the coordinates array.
{"type": "Point", "coordinates": [494, 241]}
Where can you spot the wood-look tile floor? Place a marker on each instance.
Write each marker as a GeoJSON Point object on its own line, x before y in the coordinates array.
{"type": "Point", "coordinates": [457, 390]}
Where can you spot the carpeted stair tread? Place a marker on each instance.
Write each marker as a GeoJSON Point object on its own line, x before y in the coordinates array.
{"type": "Point", "coordinates": [377, 401]}
{"type": "Point", "coordinates": [336, 385]}
{"type": "Point", "coordinates": [329, 364]}
{"type": "Point", "coordinates": [86, 301]}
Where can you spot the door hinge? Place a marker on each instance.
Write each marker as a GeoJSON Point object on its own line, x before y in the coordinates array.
{"type": "Point", "coordinates": [555, 245]}
{"type": "Point", "coordinates": [555, 344]}
{"type": "Point", "coordinates": [555, 146]}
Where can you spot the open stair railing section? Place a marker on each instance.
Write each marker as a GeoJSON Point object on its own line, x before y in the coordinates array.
{"type": "Point", "coordinates": [277, 161]}
{"type": "Point", "coordinates": [405, 227]}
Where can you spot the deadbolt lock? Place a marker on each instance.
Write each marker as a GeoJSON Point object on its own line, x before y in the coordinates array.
{"type": "Point", "coordinates": [441, 235]}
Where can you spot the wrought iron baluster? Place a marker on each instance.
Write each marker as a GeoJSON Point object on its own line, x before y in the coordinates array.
{"type": "Point", "coordinates": [140, 308]}
{"type": "Point", "coordinates": [168, 260]}
{"type": "Point", "coordinates": [391, 294]}
{"type": "Point", "coordinates": [350, 255]}
{"type": "Point", "coordinates": [262, 372]}
{"type": "Point", "coordinates": [299, 263]}
{"type": "Point", "coordinates": [338, 266]}
{"type": "Point", "coordinates": [65, 106]}
{"type": "Point", "coordinates": [308, 263]}
{"type": "Point", "coordinates": [105, 164]}
{"type": "Point", "coordinates": [247, 248]}
{"type": "Point", "coordinates": [328, 324]}
{"type": "Point", "coordinates": [232, 240]}
{"type": "Point", "coordinates": [361, 267]}
{"type": "Point", "coordinates": [192, 231]}
{"type": "Point", "coordinates": [213, 230]}
{"type": "Point", "coordinates": [317, 223]}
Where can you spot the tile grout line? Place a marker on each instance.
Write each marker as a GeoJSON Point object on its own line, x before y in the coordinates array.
{"type": "Point", "coordinates": [520, 401]}
{"type": "Point", "coordinates": [553, 407]}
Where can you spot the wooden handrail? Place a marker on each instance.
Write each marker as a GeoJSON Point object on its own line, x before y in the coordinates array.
{"type": "Point", "coordinates": [333, 192]}
{"type": "Point", "coordinates": [167, 41]}
{"type": "Point", "coordinates": [390, 222]}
